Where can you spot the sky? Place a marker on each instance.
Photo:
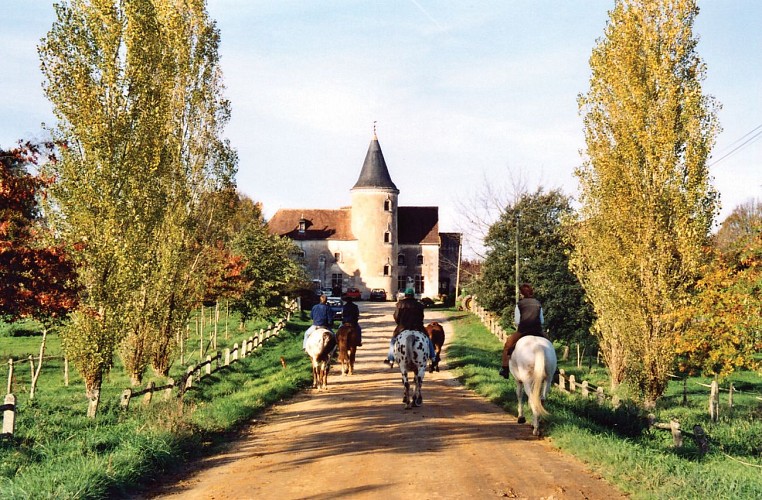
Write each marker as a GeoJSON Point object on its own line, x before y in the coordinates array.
{"type": "Point", "coordinates": [465, 95]}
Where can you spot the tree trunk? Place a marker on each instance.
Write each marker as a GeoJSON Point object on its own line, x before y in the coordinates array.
{"type": "Point", "coordinates": [93, 393]}
{"type": "Point", "coordinates": [36, 373]}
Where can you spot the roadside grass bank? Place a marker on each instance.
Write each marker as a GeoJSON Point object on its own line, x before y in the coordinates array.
{"type": "Point", "coordinates": [57, 452]}
{"type": "Point", "coordinates": [616, 443]}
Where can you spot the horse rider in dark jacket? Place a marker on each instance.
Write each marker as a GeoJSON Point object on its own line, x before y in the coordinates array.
{"type": "Point", "coordinates": [529, 320]}
{"type": "Point", "coordinates": [350, 313]}
{"type": "Point", "coordinates": [409, 316]}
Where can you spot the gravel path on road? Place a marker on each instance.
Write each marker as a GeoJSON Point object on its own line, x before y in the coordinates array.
{"type": "Point", "coordinates": [355, 440]}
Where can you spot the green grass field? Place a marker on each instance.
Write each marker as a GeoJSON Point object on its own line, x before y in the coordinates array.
{"type": "Point", "coordinates": [616, 443]}
{"type": "Point", "coordinates": [58, 453]}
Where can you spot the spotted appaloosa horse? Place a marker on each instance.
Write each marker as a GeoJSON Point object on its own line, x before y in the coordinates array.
{"type": "Point", "coordinates": [437, 335]}
{"type": "Point", "coordinates": [320, 346]}
{"type": "Point", "coordinates": [411, 353]}
{"type": "Point", "coordinates": [346, 338]}
{"type": "Point", "coordinates": [533, 364]}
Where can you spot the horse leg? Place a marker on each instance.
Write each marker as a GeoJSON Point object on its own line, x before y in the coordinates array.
{"type": "Point", "coordinates": [315, 376]}
{"type": "Point", "coordinates": [406, 398]}
{"type": "Point", "coordinates": [520, 399]}
{"type": "Point", "coordinates": [352, 354]}
{"type": "Point", "coordinates": [418, 383]}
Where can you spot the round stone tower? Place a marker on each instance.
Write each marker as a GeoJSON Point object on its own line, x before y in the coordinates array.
{"type": "Point", "coordinates": [374, 222]}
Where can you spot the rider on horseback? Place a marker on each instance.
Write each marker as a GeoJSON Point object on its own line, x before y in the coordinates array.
{"type": "Point", "coordinates": [529, 320]}
{"type": "Point", "coordinates": [351, 314]}
{"type": "Point", "coordinates": [322, 317]}
{"type": "Point", "coordinates": [409, 316]}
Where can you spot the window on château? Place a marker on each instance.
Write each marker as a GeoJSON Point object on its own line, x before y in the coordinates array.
{"type": "Point", "coordinates": [401, 260]}
{"type": "Point", "coordinates": [387, 270]}
{"type": "Point", "coordinates": [420, 260]}
{"type": "Point", "coordinates": [401, 283]}
{"type": "Point", "coordinates": [337, 256]}
{"type": "Point", "coordinates": [419, 284]}
{"type": "Point", "coordinates": [387, 237]}
{"type": "Point", "coordinates": [337, 281]}
{"type": "Point", "coordinates": [387, 205]}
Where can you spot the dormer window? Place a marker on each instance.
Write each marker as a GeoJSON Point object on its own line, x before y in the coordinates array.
{"type": "Point", "coordinates": [302, 225]}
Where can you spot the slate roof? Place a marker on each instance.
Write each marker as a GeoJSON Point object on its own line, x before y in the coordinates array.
{"type": "Point", "coordinates": [418, 225]}
{"type": "Point", "coordinates": [321, 224]}
{"type": "Point", "coordinates": [415, 225]}
{"type": "Point", "coordinates": [374, 174]}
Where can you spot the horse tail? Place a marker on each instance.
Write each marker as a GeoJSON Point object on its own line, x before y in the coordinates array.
{"type": "Point", "coordinates": [537, 382]}
{"type": "Point", "coordinates": [342, 339]}
{"type": "Point", "coordinates": [328, 347]}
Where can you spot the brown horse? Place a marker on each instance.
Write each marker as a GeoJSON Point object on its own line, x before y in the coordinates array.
{"type": "Point", "coordinates": [346, 338]}
{"type": "Point", "coordinates": [436, 333]}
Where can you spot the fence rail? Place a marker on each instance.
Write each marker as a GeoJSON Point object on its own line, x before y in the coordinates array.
{"type": "Point", "coordinates": [569, 385]}
{"type": "Point", "coordinates": [193, 374]}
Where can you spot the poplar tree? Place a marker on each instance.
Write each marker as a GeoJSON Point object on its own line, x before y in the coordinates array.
{"type": "Point", "coordinates": [136, 88]}
{"type": "Point", "coordinates": [647, 203]}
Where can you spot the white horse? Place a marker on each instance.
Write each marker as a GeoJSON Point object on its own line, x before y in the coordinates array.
{"type": "Point", "coordinates": [320, 344]}
{"type": "Point", "coordinates": [411, 353]}
{"type": "Point", "coordinates": [532, 365]}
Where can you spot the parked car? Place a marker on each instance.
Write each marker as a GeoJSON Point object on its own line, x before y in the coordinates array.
{"type": "Point", "coordinates": [378, 294]}
{"type": "Point", "coordinates": [352, 293]}
{"type": "Point", "coordinates": [337, 306]}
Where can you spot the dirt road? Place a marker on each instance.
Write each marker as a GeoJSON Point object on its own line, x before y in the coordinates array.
{"type": "Point", "coordinates": [355, 440]}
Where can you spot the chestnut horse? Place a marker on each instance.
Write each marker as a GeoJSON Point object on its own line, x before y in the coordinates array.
{"type": "Point", "coordinates": [437, 335]}
{"type": "Point", "coordinates": [320, 346]}
{"type": "Point", "coordinates": [346, 338]}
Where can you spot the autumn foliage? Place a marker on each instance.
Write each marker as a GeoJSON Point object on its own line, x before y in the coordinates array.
{"type": "Point", "coordinates": [36, 281]}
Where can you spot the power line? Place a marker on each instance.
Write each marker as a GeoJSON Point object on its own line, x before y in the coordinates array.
{"type": "Point", "coordinates": [748, 141]}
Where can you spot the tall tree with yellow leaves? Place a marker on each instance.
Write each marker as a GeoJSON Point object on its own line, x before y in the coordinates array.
{"type": "Point", "coordinates": [647, 203]}
{"type": "Point", "coordinates": [137, 91]}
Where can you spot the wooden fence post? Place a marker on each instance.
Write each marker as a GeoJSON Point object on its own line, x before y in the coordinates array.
{"type": "Point", "coordinates": [714, 402]}
{"type": "Point", "coordinates": [9, 414]}
{"type": "Point", "coordinates": [168, 390]}
{"type": "Point", "coordinates": [674, 427]}
{"type": "Point", "coordinates": [585, 391]}
{"type": "Point", "coordinates": [600, 396]}
{"type": "Point", "coordinates": [124, 401]}
{"type": "Point", "coordinates": [149, 395]}
{"type": "Point", "coordinates": [189, 377]}
{"type": "Point", "coordinates": [208, 364]}
{"type": "Point", "coordinates": [10, 376]}
{"type": "Point", "coordinates": [66, 371]}
{"type": "Point", "coordinates": [227, 356]}
{"type": "Point", "coordinates": [562, 379]}
{"type": "Point", "coordinates": [235, 351]}
{"type": "Point", "coordinates": [251, 342]}
{"type": "Point", "coordinates": [244, 345]}
{"type": "Point", "coordinates": [572, 383]}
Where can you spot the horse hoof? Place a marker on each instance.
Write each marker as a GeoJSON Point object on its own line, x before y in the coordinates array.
{"type": "Point", "coordinates": [419, 401]}
{"type": "Point", "coordinates": [437, 368]}
{"type": "Point", "coordinates": [536, 432]}
{"type": "Point", "coordinates": [405, 400]}
{"type": "Point", "coordinates": [522, 420]}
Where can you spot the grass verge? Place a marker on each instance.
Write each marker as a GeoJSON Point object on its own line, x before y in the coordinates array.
{"type": "Point", "coordinates": [616, 444]}
{"type": "Point", "coordinates": [57, 452]}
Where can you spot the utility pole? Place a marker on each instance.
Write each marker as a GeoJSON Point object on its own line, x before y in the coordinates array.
{"type": "Point", "coordinates": [518, 217]}
{"type": "Point", "coordinates": [457, 274]}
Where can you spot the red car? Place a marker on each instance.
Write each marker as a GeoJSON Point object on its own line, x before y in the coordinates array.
{"type": "Point", "coordinates": [352, 293]}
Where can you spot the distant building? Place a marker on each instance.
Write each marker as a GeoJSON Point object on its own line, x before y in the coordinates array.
{"type": "Point", "coordinates": [374, 243]}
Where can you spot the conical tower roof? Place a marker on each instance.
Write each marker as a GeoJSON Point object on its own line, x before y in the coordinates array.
{"type": "Point", "coordinates": [374, 174]}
